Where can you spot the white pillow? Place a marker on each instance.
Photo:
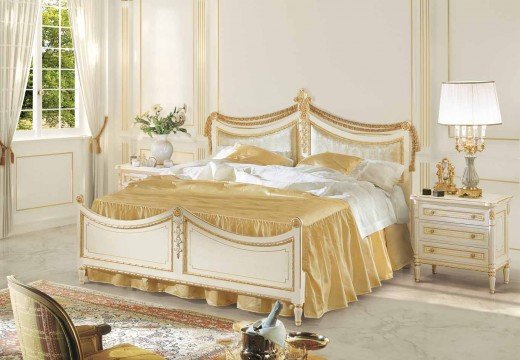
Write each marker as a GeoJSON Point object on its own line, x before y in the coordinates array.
{"type": "Point", "coordinates": [383, 174]}
{"type": "Point", "coordinates": [224, 152]}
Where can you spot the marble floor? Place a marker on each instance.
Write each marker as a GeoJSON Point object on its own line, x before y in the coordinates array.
{"type": "Point", "coordinates": [450, 315]}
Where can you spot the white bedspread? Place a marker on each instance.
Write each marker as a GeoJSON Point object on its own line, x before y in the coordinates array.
{"type": "Point", "coordinates": [372, 208]}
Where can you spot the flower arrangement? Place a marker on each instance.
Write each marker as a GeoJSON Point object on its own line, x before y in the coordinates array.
{"type": "Point", "coordinates": [151, 122]}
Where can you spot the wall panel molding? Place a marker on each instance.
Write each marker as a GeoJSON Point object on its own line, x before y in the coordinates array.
{"type": "Point", "coordinates": [39, 192]}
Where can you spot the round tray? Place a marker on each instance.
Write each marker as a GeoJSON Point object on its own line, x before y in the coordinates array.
{"type": "Point", "coordinates": [306, 340]}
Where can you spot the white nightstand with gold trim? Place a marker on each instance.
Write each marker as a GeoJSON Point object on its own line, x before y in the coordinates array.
{"type": "Point", "coordinates": [462, 233]}
{"type": "Point", "coordinates": [129, 173]}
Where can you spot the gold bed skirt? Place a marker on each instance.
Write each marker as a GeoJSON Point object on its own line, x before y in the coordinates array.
{"type": "Point", "coordinates": [339, 265]}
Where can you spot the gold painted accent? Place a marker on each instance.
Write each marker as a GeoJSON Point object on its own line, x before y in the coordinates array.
{"type": "Point", "coordinates": [469, 192]}
{"type": "Point", "coordinates": [246, 122]}
{"type": "Point", "coordinates": [186, 258]}
{"type": "Point", "coordinates": [373, 128]}
{"type": "Point", "coordinates": [125, 66]}
{"type": "Point", "coordinates": [453, 213]}
{"type": "Point", "coordinates": [367, 143]}
{"type": "Point", "coordinates": [491, 215]}
{"type": "Point", "coordinates": [453, 233]}
{"type": "Point", "coordinates": [454, 252]}
{"type": "Point", "coordinates": [294, 140]}
{"type": "Point", "coordinates": [199, 68]}
{"type": "Point", "coordinates": [297, 223]}
{"type": "Point", "coordinates": [80, 199]}
{"type": "Point", "coordinates": [424, 72]}
{"type": "Point", "coordinates": [445, 177]}
{"type": "Point", "coordinates": [71, 180]}
{"type": "Point", "coordinates": [304, 100]}
{"type": "Point", "coordinates": [83, 245]}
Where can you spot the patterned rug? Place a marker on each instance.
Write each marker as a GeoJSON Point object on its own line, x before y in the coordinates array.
{"type": "Point", "coordinates": [175, 334]}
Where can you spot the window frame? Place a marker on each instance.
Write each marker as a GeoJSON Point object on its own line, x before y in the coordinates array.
{"type": "Point", "coordinates": [37, 131]}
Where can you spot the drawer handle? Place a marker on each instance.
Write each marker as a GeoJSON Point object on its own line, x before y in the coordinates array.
{"type": "Point", "coordinates": [431, 250]}
{"type": "Point", "coordinates": [473, 236]}
{"type": "Point", "coordinates": [473, 216]}
{"type": "Point", "coordinates": [473, 255]}
{"type": "Point", "coordinates": [431, 231]}
{"type": "Point", "coordinates": [431, 212]}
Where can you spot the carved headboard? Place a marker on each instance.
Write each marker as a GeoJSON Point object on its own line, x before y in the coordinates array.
{"type": "Point", "coordinates": [303, 129]}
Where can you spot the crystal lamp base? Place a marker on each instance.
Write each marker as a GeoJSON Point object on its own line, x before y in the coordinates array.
{"type": "Point", "coordinates": [470, 180]}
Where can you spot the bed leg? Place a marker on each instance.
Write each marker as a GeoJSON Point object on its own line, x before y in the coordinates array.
{"type": "Point", "coordinates": [82, 273]}
{"type": "Point", "coordinates": [298, 312]}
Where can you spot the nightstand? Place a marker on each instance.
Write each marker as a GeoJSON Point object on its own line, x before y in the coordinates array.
{"type": "Point", "coordinates": [129, 173]}
{"type": "Point", "coordinates": [462, 233]}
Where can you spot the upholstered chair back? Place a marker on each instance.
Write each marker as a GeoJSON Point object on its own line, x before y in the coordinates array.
{"type": "Point", "coordinates": [45, 331]}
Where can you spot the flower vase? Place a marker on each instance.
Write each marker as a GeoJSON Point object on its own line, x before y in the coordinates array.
{"type": "Point", "coordinates": [161, 149]}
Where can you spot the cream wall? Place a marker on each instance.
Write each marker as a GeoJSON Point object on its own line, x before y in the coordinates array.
{"type": "Point", "coordinates": [478, 40]}
{"type": "Point", "coordinates": [371, 61]}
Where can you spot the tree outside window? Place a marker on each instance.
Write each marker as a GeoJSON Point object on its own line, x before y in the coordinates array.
{"type": "Point", "coordinates": [50, 98]}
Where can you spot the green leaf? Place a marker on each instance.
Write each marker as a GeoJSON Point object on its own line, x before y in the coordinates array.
{"type": "Point", "coordinates": [50, 59]}
{"type": "Point", "coordinates": [50, 79]}
{"type": "Point", "coordinates": [68, 99]}
{"type": "Point", "coordinates": [50, 99]}
{"type": "Point", "coordinates": [50, 37]}
{"type": "Point", "coordinates": [68, 79]}
{"type": "Point", "coordinates": [50, 16]}
{"type": "Point", "coordinates": [68, 119]}
{"type": "Point", "coordinates": [67, 59]}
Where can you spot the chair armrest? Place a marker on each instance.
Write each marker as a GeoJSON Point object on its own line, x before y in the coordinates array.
{"type": "Point", "coordinates": [91, 337]}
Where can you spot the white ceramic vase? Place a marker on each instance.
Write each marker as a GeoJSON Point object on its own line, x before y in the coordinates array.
{"type": "Point", "coordinates": [161, 149]}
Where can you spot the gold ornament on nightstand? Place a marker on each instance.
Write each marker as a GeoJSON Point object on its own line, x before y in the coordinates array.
{"type": "Point", "coordinates": [445, 177]}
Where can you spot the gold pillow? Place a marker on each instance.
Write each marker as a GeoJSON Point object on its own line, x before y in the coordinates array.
{"type": "Point", "coordinates": [250, 154]}
{"type": "Point", "coordinates": [339, 162]}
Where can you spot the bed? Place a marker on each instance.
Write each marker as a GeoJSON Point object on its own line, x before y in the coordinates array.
{"type": "Point", "coordinates": [212, 238]}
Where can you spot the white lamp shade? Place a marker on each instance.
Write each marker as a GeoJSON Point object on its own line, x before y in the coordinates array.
{"type": "Point", "coordinates": [469, 103]}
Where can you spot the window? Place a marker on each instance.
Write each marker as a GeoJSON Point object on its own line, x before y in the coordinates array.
{"type": "Point", "coordinates": [51, 99]}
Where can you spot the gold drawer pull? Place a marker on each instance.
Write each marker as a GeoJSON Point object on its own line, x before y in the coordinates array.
{"type": "Point", "coordinates": [473, 236]}
{"type": "Point", "coordinates": [473, 255]}
{"type": "Point", "coordinates": [473, 216]}
{"type": "Point", "coordinates": [431, 212]}
{"type": "Point", "coordinates": [431, 250]}
{"type": "Point", "coordinates": [431, 231]}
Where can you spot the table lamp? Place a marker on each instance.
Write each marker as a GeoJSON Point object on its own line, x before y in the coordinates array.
{"type": "Point", "coordinates": [469, 106]}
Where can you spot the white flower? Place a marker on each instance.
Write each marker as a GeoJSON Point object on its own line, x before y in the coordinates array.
{"type": "Point", "coordinates": [157, 108]}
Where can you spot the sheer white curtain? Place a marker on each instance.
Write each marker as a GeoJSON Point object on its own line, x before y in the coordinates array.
{"type": "Point", "coordinates": [87, 18]}
{"type": "Point", "coordinates": [18, 20]}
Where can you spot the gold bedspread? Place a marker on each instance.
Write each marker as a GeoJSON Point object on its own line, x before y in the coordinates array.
{"type": "Point", "coordinates": [339, 265]}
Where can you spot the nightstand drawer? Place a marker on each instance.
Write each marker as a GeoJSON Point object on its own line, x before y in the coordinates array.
{"type": "Point", "coordinates": [453, 234]}
{"type": "Point", "coordinates": [470, 216]}
{"type": "Point", "coordinates": [453, 254]}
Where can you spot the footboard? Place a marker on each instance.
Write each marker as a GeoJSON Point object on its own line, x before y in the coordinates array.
{"type": "Point", "coordinates": [179, 247]}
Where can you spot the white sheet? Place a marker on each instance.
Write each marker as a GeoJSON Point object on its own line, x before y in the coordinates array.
{"type": "Point", "coordinates": [373, 209]}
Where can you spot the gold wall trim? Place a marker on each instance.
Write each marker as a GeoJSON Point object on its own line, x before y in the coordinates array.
{"type": "Point", "coordinates": [125, 64]}
{"type": "Point", "coordinates": [424, 73]}
{"type": "Point", "coordinates": [200, 63]}
{"type": "Point", "coordinates": [424, 175]}
{"type": "Point", "coordinates": [53, 204]}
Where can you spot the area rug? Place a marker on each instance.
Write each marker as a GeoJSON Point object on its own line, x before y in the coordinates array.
{"type": "Point", "coordinates": [175, 334]}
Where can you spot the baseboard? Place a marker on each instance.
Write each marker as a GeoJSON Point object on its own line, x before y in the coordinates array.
{"type": "Point", "coordinates": [43, 224]}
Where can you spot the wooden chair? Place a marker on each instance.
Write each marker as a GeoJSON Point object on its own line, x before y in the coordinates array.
{"type": "Point", "coordinates": [46, 332]}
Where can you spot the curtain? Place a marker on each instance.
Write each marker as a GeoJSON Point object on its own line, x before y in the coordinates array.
{"type": "Point", "coordinates": [18, 21]}
{"type": "Point", "coordinates": [87, 18]}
